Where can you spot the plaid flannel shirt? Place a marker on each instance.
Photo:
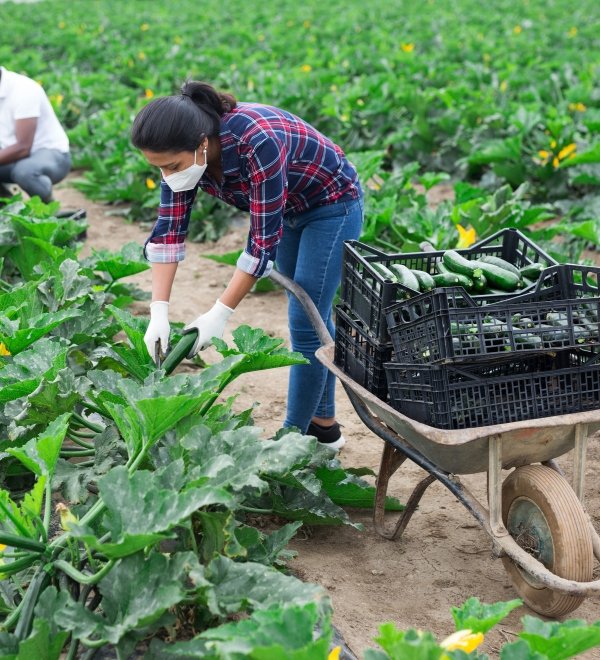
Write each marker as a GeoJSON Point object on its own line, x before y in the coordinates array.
{"type": "Point", "coordinates": [274, 165]}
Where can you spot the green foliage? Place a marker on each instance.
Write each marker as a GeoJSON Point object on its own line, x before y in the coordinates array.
{"type": "Point", "coordinates": [478, 617]}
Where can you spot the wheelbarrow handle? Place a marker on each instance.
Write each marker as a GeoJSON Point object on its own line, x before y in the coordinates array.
{"type": "Point", "coordinates": [308, 305]}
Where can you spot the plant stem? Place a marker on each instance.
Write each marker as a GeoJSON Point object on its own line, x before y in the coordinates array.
{"type": "Point", "coordinates": [25, 542]}
{"type": "Point", "coordinates": [72, 649]}
{"type": "Point", "coordinates": [69, 453]}
{"type": "Point", "coordinates": [80, 577]}
{"type": "Point", "coordinates": [10, 621]}
{"type": "Point", "coordinates": [251, 509]}
{"type": "Point", "coordinates": [87, 423]}
{"type": "Point", "coordinates": [48, 506]}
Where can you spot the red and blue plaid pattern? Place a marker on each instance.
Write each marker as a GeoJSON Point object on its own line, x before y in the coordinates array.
{"type": "Point", "coordinates": [275, 165]}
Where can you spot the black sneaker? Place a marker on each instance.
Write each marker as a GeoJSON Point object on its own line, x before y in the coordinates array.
{"type": "Point", "coordinates": [330, 436]}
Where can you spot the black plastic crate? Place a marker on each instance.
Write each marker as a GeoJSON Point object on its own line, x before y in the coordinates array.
{"type": "Point", "coordinates": [447, 397]}
{"type": "Point", "coordinates": [564, 281]}
{"type": "Point", "coordinates": [359, 355]}
{"type": "Point", "coordinates": [368, 294]}
{"type": "Point", "coordinates": [446, 325]}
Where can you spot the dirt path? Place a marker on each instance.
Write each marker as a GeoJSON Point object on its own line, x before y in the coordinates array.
{"type": "Point", "coordinates": [444, 556]}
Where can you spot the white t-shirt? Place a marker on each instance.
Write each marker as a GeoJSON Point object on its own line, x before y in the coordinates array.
{"type": "Point", "coordinates": [23, 98]}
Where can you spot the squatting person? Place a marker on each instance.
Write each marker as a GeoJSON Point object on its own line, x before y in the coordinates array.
{"type": "Point", "coordinates": [304, 200]}
{"type": "Point", "coordinates": [34, 148]}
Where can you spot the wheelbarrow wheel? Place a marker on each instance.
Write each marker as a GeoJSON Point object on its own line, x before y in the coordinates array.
{"type": "Point", "coordinates": [544, 516]}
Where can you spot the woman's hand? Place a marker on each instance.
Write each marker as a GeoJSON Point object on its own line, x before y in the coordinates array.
{"type": "Point", "coordinates": [158, 329]}
{"type": "Point", "coordinates": [209, 325]}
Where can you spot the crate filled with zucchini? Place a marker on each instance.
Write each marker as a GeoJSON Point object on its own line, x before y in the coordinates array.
{"type": "Point", "coordinates": [450, 396]}
{"type": "Point", "coordinates": [501, 266]}
{"type": "Point", "coordinates": [358, 354]}
{"type": "Point", "coordinates": [449, 326]}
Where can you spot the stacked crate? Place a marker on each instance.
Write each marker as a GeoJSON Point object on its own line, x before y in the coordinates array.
{"type": "Point", "coordinates": [460, 360]}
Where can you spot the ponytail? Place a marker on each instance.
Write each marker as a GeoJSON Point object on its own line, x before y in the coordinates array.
{"type": "Point", "coordinates": [180, 123]}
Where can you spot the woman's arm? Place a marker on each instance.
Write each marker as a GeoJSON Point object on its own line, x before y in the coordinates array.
{"type": "Point", "coordinates": [239, 285]}
{"type": "Point", "coordinates": [162, 280]}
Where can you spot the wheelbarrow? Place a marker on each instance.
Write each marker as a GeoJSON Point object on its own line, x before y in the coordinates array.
{"type": "Point", "coordinates": [535, 518]}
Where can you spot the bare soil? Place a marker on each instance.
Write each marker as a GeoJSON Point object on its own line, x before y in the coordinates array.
{"type": "Point", "coordinates": [443, 558]}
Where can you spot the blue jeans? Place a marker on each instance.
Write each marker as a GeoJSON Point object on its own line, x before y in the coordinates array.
{"type": "Point", "coordinates": [36, 173]}
{"type": "Point", "coordinates": [310, 253]}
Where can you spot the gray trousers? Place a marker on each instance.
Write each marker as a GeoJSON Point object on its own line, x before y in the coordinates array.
{"type": "Point", "coordinates": [36, 173]}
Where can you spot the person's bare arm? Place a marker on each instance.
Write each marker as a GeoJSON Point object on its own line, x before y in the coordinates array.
{"type": "Point", "coordinates": [24, 132]}
{"type": "Point", "coordinates": [162, 280]}
{"type": "Point", "coordinates": [239, 285]}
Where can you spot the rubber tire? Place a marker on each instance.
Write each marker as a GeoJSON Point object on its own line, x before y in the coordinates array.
{"type": "Point", "coordinates": [569, 531]}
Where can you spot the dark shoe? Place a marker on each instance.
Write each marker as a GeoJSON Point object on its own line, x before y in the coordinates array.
{"type": "Point", "coordinates": [329, 436]}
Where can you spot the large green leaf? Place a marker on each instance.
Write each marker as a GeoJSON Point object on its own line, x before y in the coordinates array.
{"type": "Point", "coordinates": [479, 617]}
{"type": "Point", "coordinates": [408, 645]}
{"type": "Point", "coordinates": [284, 632]}
{"type": "Point", "coordinates": [128, 261]}
{"type": "Point", "coordinates": [250, 586]}
{"type": "Point", "coordinates": [135, 594]}
{"type": "Point", "coordinates": [35, 328]}
{"type": "Point", "coordinates": [141, 510]}
{"type": "Point", "coordinates": [559, 640]}
{"type": "Point", "coordinates": [63, 283]}
{"type": "Point", "coordinates": [42, 644]}
{"type": "Point", "coordinates": [346, 489]}
{"type": "Point", "coordinates": [40, 454]}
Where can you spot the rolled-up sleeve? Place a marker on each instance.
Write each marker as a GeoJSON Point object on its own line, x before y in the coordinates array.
{"type": "Point", "coordinates": [267, 169]}
{"type": "Point", "coordinates": [166, 243]}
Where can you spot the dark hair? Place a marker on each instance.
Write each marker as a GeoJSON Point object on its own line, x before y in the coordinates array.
{"type": "Point", "coordinates": [180, 123]}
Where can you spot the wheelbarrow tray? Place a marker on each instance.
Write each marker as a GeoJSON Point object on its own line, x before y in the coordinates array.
{"type": "Point", "coordinates": [466, 451]}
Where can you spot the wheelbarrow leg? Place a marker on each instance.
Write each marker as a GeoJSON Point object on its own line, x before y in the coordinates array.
{"type": "Point", "coordinates": [391, 460]}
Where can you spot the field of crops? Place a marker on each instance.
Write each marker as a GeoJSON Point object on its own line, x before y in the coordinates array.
{"type": "Point", "coordinates": [141, 513]}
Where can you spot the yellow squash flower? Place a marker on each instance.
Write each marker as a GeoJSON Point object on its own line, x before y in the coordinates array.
{"type": "Point", "coordinates": [462, 640]}
{"type": "Point", "coordinates": [150, 184]}
{"type": "Point", "coordinates": [67, 519]}
{"type": "Point", "coordinates": [335, 653]}
{"type": "Point", "coordinates": [3, 548]}
{"type": "Point", "coordinates": [144, 27]}
{"type": "Point", "coordinates": [407, 48]}
{"type": "Point", "coordinates": [555, 163]}
{"type": "Point", "coordinates": [572, 32]}
{"type": "Point", "coordinates": [148, 93]}
{"type": "Point", "coordinates": [3, 350]}
{"type": "Point", "coordinates": [577, 107]}
{"type": "Point", "coordinates": [466, 237]}
{"type": "Point", "coordinates": [517, 29]}
{"type": "Point", "coordinates": [306, 68]}
{"type": "Point", "coordinates": [567, 151]}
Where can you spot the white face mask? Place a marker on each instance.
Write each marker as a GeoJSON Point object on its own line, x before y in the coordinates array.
{"type": "Point", "coordinates": [188, 178]}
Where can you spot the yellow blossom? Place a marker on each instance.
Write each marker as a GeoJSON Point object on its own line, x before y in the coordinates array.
{"type": "Point", "coordinates": [56, 99]}
{"type": "Point", "coordinates": [150, 184]}
{"type": "Point", "coordinates": [503, 86]}
{"type": "Point", "coordinates": [577, 107]}
{"type": "Point", "coordinates": [567, 151]}
{"type": "Point", "coordinates": [144, 27]}
{"type": "Point", "coordinates": [61, 25]}
{"type": "Point", "coordinates": [517, 29]}
{"type": "Point", "coordinates": [306, 24]}
{"type": "Point", "coordinates": [3, 548]}
{"type": "Point", "coordinates": [462, 640]}
{"type": "Point", "coordinates": [572, 32]}
{"type": "Point", "coordinates": [544, 154]}
{"type": "Point", "coordinates": [555, 163]}
{"type": "Point", "coordinates": [407, 48]}
{"type": "Point", "coordinates": [141, 55]}
{"type": "Point", "coordinates": [466, 237]}
{"type": "Point", "coordinates": [67, 519]}
{"type": "Point", "coordinates": [3, 350]}
{"type": "Point", "coordinates": [335, 653]}
{"type": "Point", "coordinates": [306, 68]}
{"type": "Point", "coordinates": [148, 93]}
{"type": "Point", "coordinates": [178, 40]}
{"type": "Point", "coordinates": [553, 144]}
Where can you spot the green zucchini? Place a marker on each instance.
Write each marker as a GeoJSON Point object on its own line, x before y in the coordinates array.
{"type": "Point", "coordinates": [405, 276]}
{"type": "Point", "coordinates": [528, 341]}
{"type": "Point", "coordinates": [458, 264]}
{"type": "Point", "coordinates": [426, 282]}
{"type": "Point", "coordinates": [554, 318]}
{"type": "Point", "coordinates": [463, 280]}
{"type": "Point", "coordinates": [479, 283]}
{"type": "Point", "coordinates": [501, 263]}
{"type": "Point", "coordinates": [36, 586]}
{"type": "Point", "coordinates": [181, 349]}
{"type": "Point", "coordinates": [446, 279]}
{"type": "Point", "coordinates": [532, 271]}
{"type": "Point", "coordinates": [384, 271]}
{"type": "Point", "coordinates": [498, 277]}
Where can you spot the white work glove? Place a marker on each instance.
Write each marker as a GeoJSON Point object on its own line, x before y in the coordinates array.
{"type": "Point", "coordinates": [209, 325]}
{"type": "Point", "coordinates": [158, 329]}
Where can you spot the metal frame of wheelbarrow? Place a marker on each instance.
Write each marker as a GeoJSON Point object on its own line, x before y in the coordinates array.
{"type": "Point", "coordinates": [387, 423]}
